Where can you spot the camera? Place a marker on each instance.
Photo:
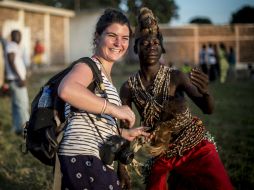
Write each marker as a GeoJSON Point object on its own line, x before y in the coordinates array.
{"type": "Point", "coordinates": [116, 148]}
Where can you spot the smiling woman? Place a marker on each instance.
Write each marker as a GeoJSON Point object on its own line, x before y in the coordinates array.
{"type": "Point", "coordinates": [93, 119]}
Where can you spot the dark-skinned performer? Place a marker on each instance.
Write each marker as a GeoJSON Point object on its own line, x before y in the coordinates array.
{"type": "Point", "coordinates": [184, 153]}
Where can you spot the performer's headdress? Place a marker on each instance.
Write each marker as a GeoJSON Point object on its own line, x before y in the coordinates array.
{"type": "Point", "coordinates": [147, 25]}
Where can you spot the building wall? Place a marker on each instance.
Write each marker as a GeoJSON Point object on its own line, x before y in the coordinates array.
{"type": "Point", "coordinates": [182, 44]}
{"type": "Point", "coordinates": [47, 24]}
{"type": "Point", "coordinates": [57, 39]}
{"type": "Point", "coordinates": [7, 14]}
{"type": "Point", "coordinates": [82, 28]}
{"type": "Point", "coordinates": [35, 22]}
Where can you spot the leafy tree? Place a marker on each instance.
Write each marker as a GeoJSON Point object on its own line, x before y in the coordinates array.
{"type": "Point", "coordinates": [77, 4]}
{"type": "Point", "coordinates": [243, 15]}
{"type": "Point", "coordinates": [165, 10]}
{"type": "Point", "coordinates": [200, 20]}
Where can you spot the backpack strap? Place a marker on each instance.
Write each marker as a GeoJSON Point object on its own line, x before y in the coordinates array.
{"type": "Point", "coordinates": [56, 79]}
{"type": "Point", "coordinates": [96, 75]}
{"type": "Point", "coordinates": [96, 72]}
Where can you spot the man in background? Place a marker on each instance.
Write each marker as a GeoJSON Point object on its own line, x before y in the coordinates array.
{"type": "Point", "coordinates": [203, 59]}
{"type": "Point", "coordinates": [16, 77]}
{"type": "Point", "coordinates": [2, 60]}
{"type": "Point", "coordinates": [1, 63]}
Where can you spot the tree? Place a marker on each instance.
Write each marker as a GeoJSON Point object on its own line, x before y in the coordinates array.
{"type": "Point", "coordinates": [200, 20]}
{"type": "Point", "coordinates": [77, 4]}
{"type": "Point", "coordinates": [243, 15]}
{"type": "Point", "coordinates": [164, 10]}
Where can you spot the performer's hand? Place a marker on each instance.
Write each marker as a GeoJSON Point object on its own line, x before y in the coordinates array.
{"type": "Point", "coordinates": [200, 80]}
{"type": "Point", "coordinates": [131, 134]}
{"type": "Point", "coordinates": [124, 177]}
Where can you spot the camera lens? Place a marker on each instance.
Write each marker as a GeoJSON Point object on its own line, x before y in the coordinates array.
{"type": "Point", "coordinates": [125, 156]}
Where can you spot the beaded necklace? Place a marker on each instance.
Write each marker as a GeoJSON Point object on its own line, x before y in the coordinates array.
{"type": "Point", "coordinates": [150, 102]}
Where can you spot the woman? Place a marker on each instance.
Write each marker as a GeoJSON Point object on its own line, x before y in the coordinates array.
{"type": "Point", "coordinates": [223, 59]}
{"type": "Point", "coordinates": [80, 162]}
{"type": "Point", "coordinates": [184, 153]}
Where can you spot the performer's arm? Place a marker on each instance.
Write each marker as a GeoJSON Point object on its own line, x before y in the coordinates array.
{"type": "Point", "coordinates": [196, 87]}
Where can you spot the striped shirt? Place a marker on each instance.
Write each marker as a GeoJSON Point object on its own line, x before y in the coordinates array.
{"type": "Point", "coordinates": [80, 135]}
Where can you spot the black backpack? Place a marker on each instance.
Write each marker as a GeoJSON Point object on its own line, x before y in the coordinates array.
{"type": "Point", "coordinates": [43, 131]}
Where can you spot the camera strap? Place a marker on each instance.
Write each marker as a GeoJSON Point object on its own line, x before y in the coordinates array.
{"type": "Point", "coordinates": [97, 129]}
{"type": "Point", "coordinates": [92, 120]}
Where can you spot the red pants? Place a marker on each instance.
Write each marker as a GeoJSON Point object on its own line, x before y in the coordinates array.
{"type": "Point", "coordinates": [198, 169]}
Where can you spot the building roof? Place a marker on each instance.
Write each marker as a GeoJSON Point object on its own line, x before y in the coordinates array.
{"type": "Point", "coordinates": [37, 8]}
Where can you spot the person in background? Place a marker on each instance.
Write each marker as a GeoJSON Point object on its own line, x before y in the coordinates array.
{"type": "Point", "coordinates": [223, 59]}
{"type": "Point", "coordinates": [217, 63]}
{"type": "Point", "coordinates": [184, 154]}
{"type": "Point", "coordinates": [203, 59]}
{"type": "Point", "coordinates": [251, 71]}
{"type": "Point", "coordinates": [232, 63]}
{"type": "Point", "coordinates": [211, 62]}
{"type": "Point", "coordinates": [4, 87]}
{"type": "Point", "coordinates": [38, 54]}
{"type": "Point", "coordinates": [80, 162]}
{"type": "Point", "coordinates": [16, 77]}
{"type": "Point", "coordinates": [2, 62]}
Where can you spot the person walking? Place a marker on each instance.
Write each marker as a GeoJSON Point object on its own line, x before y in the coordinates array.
{"type": "Point", "coordinates": [16, 77]}
{"type": "Point", "coordinates": [79, 151]}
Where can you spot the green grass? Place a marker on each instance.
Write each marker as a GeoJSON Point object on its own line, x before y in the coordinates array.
{"type": "Point", "coordinates": [232, 125]}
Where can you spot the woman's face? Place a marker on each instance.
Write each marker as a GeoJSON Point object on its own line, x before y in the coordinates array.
{"type": "Point", "coordinates": [113, 42]}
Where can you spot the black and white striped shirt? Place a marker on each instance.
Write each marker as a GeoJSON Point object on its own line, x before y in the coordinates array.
{"type": "Point", "coordinates": [80, 136]}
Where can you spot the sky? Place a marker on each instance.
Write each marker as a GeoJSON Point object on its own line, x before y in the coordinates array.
{"type": "Point", "coordinates": [218, 11]}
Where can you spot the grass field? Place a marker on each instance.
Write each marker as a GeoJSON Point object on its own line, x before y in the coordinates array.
{"type": "Point", "coordinates": [232, 125]}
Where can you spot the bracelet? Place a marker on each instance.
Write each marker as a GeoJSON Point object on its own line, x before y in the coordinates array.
{"type": "Point", "coordinates": [104, 106]}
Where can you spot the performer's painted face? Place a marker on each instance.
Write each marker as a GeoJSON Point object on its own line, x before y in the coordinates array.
{"type": "Point", "coordinates": [149, 49]}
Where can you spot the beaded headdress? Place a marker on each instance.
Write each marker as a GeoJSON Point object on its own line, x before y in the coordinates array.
{"type": "Point", "coordinates": [147, 23]}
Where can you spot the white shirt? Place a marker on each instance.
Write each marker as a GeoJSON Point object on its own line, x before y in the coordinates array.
{"type": "Point", "coordinates": [13, 47]}
{"type": "Point", "coordinates": [211, 56]}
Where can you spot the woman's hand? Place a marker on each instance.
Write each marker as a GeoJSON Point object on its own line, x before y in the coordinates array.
{"type": "Point", "coordinates": [131, 134]}
{"type": "Point", "coordinates": [123, 113]}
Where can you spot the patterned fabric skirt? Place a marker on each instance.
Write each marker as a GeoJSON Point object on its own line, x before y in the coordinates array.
{"type": "Point", "coordinates": [87, 172]}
